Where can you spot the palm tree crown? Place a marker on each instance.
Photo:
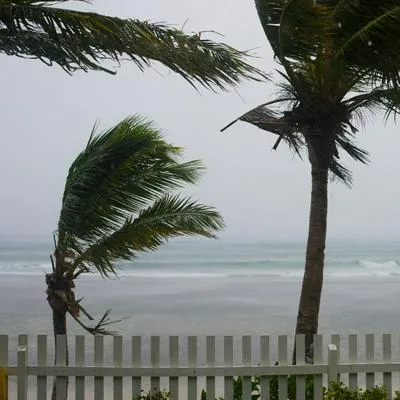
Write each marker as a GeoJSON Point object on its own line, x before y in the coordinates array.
{"type": "Point", "coordinates": [341, 61]}
{"type": "Point", "coordinates": [86, 40]}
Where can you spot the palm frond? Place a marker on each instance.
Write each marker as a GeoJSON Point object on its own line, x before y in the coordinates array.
{"type": "Point", "coordinates": [368, 39]}
{"type": "Point", "coordinates": [121, 171]}
{"type": "Point", "coordinates": [269, 13]}
{"type": "Point", "coordinates": [295, 29]}
{"type": "Point", "coordinates": [101, 327]}
{"type": "Point", "coordinates": [84, 40]}
{"type": "Point", "coordinates": [168, 217]}
{"type": "Point", "coordinates": [346, 142]}
{"type": "Point", "coordinates": [380, 99]}
{"type": "Point", "coordinates": [338, 172]}
{"type": "Point", "coordinates": [274, 122]}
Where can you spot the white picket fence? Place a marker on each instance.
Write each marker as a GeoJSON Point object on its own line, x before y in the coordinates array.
{"type": "Point", "coordinates": [184, 366]}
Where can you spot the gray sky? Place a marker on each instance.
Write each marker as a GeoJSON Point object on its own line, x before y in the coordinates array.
{"type": "Point", "coordinates": [47, 117]}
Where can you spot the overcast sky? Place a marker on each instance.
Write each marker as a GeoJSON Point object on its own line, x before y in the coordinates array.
{"type": "Point", "coordinates": [47, 116]}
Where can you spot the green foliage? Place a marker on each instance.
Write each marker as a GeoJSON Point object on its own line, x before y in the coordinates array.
{"type": "Point", "coordinates": [273, 388]}
{"type": "Point", "coordinates": [119, 198]}
{"type": "Point", "coordinates": [79, 40]}
{"type": "Point", "coordinates": [338, 391]}
{"type": "Point", "coordinates": [154, 395]}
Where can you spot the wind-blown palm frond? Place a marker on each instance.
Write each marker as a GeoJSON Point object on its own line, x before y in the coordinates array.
{"type": "Point", "coordinates": [168, 217]}
{"type": "Point", "coordinates": [85, 40]}
{"type": "Point", "coordinates": [294, 28]}
{"type": "Point", "coordinates": [368, 35]}
{"type": "Point", "coordinates": [120, 172]}
{"type": "Point", "coordinates": [274, 122]}
{"type": "Point", "coordinates": [387, 100]}
{"type": "Point", "coordinates": [117, 199]}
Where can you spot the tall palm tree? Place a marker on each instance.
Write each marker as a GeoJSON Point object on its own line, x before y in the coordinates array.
{"type": "Point", "coordinates": [78, 40]}
{"type": "Point", "coordinates": [340, 62]}
{"type": "Point", "coordinates": [119, 201]}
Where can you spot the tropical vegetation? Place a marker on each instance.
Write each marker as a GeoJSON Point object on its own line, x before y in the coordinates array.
{"type": "Point", "coordinates": [339, 64]}
{"type": "Point", "coordinates": [119, 201]}
{"type": "Point", "coordinates": [82, 40]}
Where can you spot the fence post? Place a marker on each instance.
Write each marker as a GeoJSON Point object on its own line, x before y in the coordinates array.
{"type": "Point", "coordinates": [333, 358]}
{"type": "Point", "coordinates": [3, 384]}
{"type": "Point", "coordinates": [3, 367]}
{"type": "Point", "coordinates": [22, 387]}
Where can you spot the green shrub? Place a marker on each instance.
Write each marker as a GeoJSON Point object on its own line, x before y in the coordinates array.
{"type": "Point", "coordinates": [154, 395]}
{"type": "Point", "coordinates": [273, 388]}
{"type": "Point", "coordinates": [338, 391]}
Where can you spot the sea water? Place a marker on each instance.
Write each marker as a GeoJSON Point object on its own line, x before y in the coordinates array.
{"type": "Point", "coordinates": [223, 259]}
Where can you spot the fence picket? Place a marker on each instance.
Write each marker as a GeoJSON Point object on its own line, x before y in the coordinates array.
{"type": "Point", "coordinates": [117, 356]}
{"type": "Point", "coordinates": [282, 360]}
{"type": "Point", "coordinates": [42, 361]}
{"type": "Point", "coordinates": [353, 377]}
{"type": "Point", "coordinates": [387, 358]}
{"type": "Point", "coordinates": [210, 361]}
{"type": "Point", "coordinates": [174, 362]}
{"type": "Point", "coordinates": [300, 360]}
{"type": "Point", "coordinates": [333, 358]}
{"type": "Point", "coordinates": [246, 359]}
{"type": "Point", "coordinates": [228, 361]}
{"type": "Point", "coordinates": [80, 362]}
{"type": "Point", "coordinates": [98, 362]}
{"type": "Point", "coordinates": [369, 356]}
{"type": "Point", "coordinates": [335, 339]}
{"type": "Point", "coordinates": [22, 378]}
{"type": "Point", "coordinates": [136, 362]}
{"type": "Point", "coordinates": [155, 361]}
{"type": "Point", "coordinates": [318, 359]}
{"type": "Point", "coordinates": [264, 360]}
{"type": "Point", "coordinates": [192, 358]}
{"type": "Point", "coordinates": [61, 361]}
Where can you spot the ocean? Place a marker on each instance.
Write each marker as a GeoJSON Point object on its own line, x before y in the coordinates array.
{"type": "Point", "coordinates": [223, 259]}
{"type": "Point", "coordinates": [213, 287]}
{"type": "Point", "coordinates": [201, 287]}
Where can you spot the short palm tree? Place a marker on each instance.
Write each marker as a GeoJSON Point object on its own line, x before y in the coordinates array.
{"type": "Point", "coordinates": [119, 201]}
{"type": "Point", "coordinates": [341, 63]}
{"type": "Point", "coordinates": [77, 40]}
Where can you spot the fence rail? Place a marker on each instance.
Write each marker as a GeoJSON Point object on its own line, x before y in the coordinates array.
{"type": "Point", "coordinates": [192, 359]}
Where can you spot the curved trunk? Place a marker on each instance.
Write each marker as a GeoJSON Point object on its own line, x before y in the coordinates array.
{"type": "Point", "coordinates": [310, 299]}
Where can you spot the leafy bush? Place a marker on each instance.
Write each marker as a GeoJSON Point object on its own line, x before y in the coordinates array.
{"type": "Point", "coordinates": [154, 395]}
{"type": "Point", "coordinates": [273, 388]}
{"type": "Point", "coordinates": [337, 391]}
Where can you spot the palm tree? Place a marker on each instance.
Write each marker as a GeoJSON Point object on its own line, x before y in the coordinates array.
{"type": "Point", "coordinates": [78, 40]}
{"type": "Point", "coordinates": [341, 62]}
{"type": "Point", "coordinates": [119, 201]}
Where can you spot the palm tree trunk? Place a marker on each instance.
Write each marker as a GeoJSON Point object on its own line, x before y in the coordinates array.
{"type": "Point", "coordinates": [310, 299]}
